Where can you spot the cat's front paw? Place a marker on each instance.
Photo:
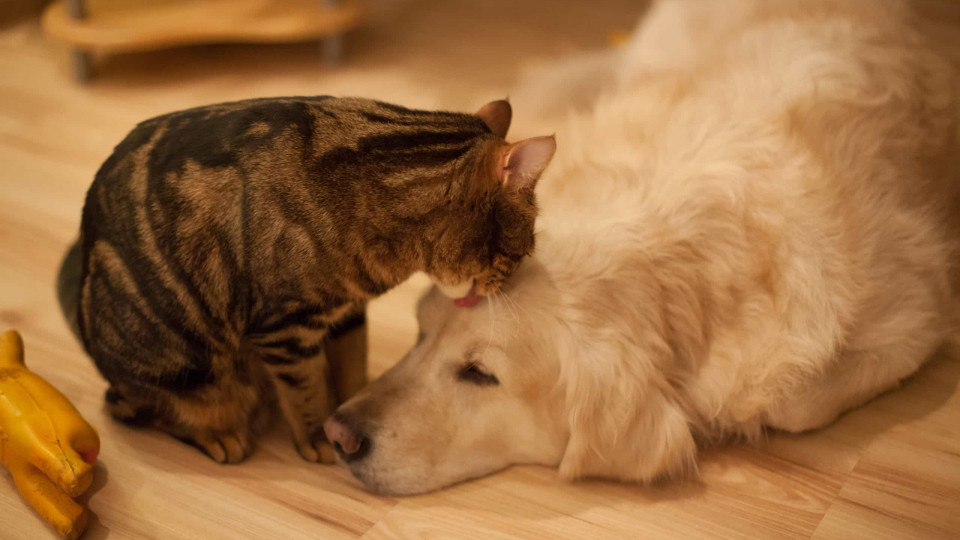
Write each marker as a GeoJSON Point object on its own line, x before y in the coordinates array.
{"type": "Point", "coordinates": [224, 447]}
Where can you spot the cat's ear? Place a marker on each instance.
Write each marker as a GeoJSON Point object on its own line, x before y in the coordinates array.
{"type": "Point", "coordinates": [523, 162]}
{"type": "Point", "coordinates": [496, 115]}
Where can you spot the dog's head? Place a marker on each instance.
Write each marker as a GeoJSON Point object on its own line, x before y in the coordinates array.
{"type": "Point", "coordinates": [512, 380]}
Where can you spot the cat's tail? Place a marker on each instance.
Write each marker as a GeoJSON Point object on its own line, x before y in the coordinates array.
{"type": "Point", "coordinates": [68, 288]}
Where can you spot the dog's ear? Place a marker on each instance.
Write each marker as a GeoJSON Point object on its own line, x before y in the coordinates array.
{"type": "Point", "coordinates": [624, 429]}
{"type": "Point", "coordinates": [625, 418]}
{"type": "Point", "coordinates": [647, 325]}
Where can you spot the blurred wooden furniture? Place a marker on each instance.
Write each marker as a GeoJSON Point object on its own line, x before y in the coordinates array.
{"type": "Point", "coordinates": [115, 26]}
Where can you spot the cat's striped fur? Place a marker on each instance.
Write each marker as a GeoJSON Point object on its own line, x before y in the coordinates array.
{"type": "Point", "coordinates": [226, 252]}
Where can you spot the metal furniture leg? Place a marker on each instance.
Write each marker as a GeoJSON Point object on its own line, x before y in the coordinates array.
{"type": "Point", "coordinates": [81, 60]}
{"type": "Point", "coordinates": [331, 47]}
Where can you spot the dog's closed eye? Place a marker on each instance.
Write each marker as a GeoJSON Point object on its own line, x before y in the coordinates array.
{"type": "Point", "coordinates": [474, 373]}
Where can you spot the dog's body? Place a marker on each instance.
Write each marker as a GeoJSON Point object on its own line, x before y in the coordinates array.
{"type": "Point", "coordinates": [755, 226]}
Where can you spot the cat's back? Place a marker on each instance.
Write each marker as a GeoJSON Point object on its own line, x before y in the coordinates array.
{"type": "Point", "coordinates": [212, 136]}
{"type": "Point", "coordinates": [176, 172]}
{"type": "Point", "coordinates": [220, 143]}
{"type": "Point", "coordinates": [163, 222]}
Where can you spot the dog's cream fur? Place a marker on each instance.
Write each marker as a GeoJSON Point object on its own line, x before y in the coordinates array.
{"type": "Point", "coordinates": [753, 225]}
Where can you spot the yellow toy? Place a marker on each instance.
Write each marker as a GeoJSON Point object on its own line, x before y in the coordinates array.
{"type": "Point", "coordinates": [44, 442]}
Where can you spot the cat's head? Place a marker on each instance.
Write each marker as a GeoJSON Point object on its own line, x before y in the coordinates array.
{"type": "Point", "coordinates": [487, 225]}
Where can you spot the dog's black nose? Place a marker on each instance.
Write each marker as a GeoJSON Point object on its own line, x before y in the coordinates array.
{"type": "Point", "coordinates": [346, 438]}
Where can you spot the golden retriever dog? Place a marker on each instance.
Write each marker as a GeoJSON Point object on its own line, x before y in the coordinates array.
{"type": "Point", "coordinates": [754, 224]}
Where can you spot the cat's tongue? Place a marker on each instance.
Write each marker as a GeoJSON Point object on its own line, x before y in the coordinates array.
{"type": "Point", "coordinates": [469, 300]}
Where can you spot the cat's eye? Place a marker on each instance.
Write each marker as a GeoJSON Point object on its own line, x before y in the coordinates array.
{"type": "Point", "coordinates": [474, 373]}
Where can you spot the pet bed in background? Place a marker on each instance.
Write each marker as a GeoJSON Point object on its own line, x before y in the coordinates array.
{"type": "Point", "coordinates": [118, 26]}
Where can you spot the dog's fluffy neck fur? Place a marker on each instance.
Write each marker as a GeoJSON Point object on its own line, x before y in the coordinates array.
{"type": "Point", "coordinates": [708, 258]}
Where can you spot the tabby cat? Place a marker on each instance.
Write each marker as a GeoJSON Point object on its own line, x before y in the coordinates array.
{"type": "Point", "coordinates": [227, 252]}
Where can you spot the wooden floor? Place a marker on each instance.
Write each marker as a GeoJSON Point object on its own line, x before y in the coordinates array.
{"type": "Point", "coordinates": [888, 470]}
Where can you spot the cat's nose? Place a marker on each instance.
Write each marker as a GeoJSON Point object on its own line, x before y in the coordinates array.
{"type": "Point", "coordinates": [346, 438]}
